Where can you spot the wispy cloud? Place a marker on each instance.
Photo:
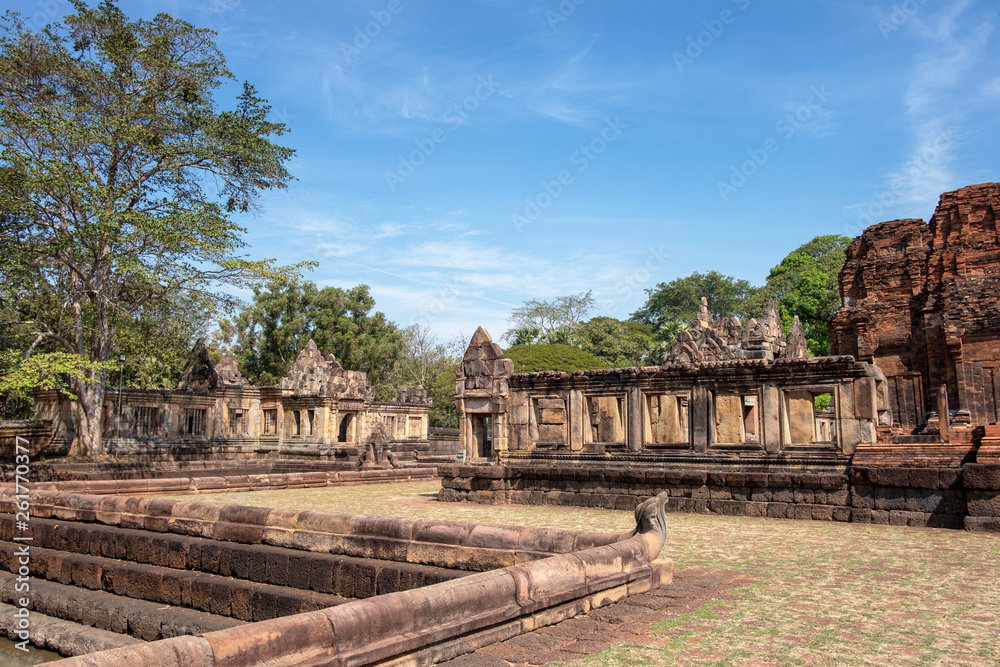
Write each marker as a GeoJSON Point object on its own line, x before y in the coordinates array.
{"type": "Point", "coordinates": [955, 40]}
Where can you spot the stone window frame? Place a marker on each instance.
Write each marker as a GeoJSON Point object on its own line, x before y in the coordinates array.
{"type": "Point", "coordinates": [269, 417]}
{"type": "Point", "coordinates": [815, 390]}
{"type": "Point", "coordinates": [193, 421]}
{"type": "Point", "coordinates": [687, 401]}
{"type": "Point", "coordinates": [746, 445]}
{"type": "Point", "coordinates": [146, 420]}
{"type": "Point", "coordinates": [238, 418]}
{"type": "Point", "coordinates": [622, 396]}
{"type": "Point", "coordinates": [534, 417]}
{"type": "Point", "coordinates": [419, 420]}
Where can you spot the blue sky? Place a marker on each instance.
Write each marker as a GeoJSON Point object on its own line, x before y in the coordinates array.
{"type": "Point", "coordinates": [463, 157]}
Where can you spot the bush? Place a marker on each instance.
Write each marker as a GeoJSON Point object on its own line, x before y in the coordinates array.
{"type": "Point", "coordinates": [552, 357]}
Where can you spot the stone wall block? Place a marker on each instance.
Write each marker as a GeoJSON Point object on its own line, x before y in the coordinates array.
{"type": "Point", "coordinates": [949, 478]}
{"type": "Point", "coordinates": [955, 502]}
{"type": "Point", "coordinates": [925, 500]}
{"type": "Point", "coordinates": [890, 499]}
{"type": "Point", "coordinates": [983, 503]}
{"type": "Point", "coordinates": [777, 510]}
{"type": "Point", "coordinates": [982, 524]}
{"type": "Point", "coordinates": [783, 495]}
{"type": "Point", "coordinates": [981, 476]}
{"type": "Point", "coordinates": [923, 478]}
{"type": "Point", "coordinates": [863, 497]}
{"type": "Point", "coordinates": [892, 476]}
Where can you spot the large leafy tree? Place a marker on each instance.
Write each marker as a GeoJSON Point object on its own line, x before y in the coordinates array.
{"type": "Point", "coordinates": [270, 332]}
{"type": "Point", "coordinates": [804, 283]}
{"type": "Point", "coordinates": [548, 321]}
{"type": "Point", "coordinates": [428, 363]}
{"type": "Point", "coordinates": [361, 338]}
{"type": "Point", "coordinates": [119, 178]}
{"type": "Point", "coordinates": [671, 306]}
{"type": "Point", "coordinates": [621, 344]}
{"type": "Point", "coordinates": [157, 342]}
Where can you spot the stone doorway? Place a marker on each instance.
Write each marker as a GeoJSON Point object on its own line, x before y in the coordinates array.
{"type": "Point", "coordinates": [482, 434]}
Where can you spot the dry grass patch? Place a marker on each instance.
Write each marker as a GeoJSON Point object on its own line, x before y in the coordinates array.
{"type": "Point", "coordinates": [823, 593]}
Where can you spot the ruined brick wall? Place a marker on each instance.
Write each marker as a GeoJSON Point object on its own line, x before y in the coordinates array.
{"type": "Point", "coordinates": [922, 301]}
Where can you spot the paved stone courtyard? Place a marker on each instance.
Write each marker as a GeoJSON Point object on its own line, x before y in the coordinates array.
{"type": "Point", "coordinates": [747, 591]}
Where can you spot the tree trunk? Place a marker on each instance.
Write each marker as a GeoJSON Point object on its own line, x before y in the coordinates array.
{"type": "Point", "coordinates": [89, 439]}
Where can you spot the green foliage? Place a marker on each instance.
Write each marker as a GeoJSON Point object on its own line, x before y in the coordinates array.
{"type": "Point", "coordinates": [671, 306]}
{"type": "Point", "coordinates": [429, 364]}
{"type": "Point", "coordinates": [805, 283]}
{"type": "Point", "coordinates": [620, 344]}
{"type": "Point", "coordinates": [554, 321]}
{"type": "Point", "coordinates": [157, 341]}
{"type": "Point", "coordinates": [285, 313]}
{"type": "Point", "coordinates": [552, 357]}
{"type": "Point", "coordinates": [109, 136]}
{"type": "Point", "coordinates": [361, 340]}
{"type": "Point", "coordinates": [45, 370]}
{"type": "Point", "coordinates": [442, 393]}
{"type": "Point", "coordinates": [523, 336]}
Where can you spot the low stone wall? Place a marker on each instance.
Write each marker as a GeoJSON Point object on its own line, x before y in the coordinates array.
{"type": "Point", "coordinates": [83, 470]}
{"type": "Point", "coordinates": [464, 546]}
{"type": "Point", "coordinates": [234, 483]}
{"type": "Point", "coordinates": [204, 476]}
{"type": "Point", "coordinates": [967, 497]}
{"type": "Point", "coordinates": [38, 433]}
{"type": "Point", "coordinates": [414, 627]}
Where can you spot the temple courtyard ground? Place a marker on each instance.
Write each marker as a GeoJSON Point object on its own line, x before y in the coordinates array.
{"type": "Point", "coordinates": [746, 591]}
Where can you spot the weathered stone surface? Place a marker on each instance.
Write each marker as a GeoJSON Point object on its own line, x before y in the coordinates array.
{"type": "Point", "coordinates": [729, 419]}
{"type": "Point", "coordinates": [921, 301]}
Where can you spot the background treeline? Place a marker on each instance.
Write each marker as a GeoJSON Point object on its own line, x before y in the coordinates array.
{"type": "Point", "coordinates": [267, 333]}
{"type": "Point", "coordinates": [557, 334]}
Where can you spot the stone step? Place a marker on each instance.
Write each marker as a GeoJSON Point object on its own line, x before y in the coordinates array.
{"type": "Point", "coordinates": [346, 576]}
{"type": "Point", "coordinates": [60, 636]}
{"type": "Point", "coordinates": [212, 593]}
{"type": "Point", "coordinates": [143, 620]}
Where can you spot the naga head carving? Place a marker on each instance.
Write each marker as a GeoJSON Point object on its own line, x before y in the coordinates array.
{"type": "Point", "coordinates": [651, 516]}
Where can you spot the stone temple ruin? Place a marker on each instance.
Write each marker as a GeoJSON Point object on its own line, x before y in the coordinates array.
{"type": "Point", "coordinates": [898, 425]}
{"type": "Point", "coordinates": [319, 410]}
{"type": "Point", "coordinates": [731, 424]}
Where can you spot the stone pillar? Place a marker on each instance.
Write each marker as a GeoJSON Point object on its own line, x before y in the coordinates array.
{"type": "Point", "coordinates": [700, 415]}
{"type": "Point", "coordinates": [576, 420]}
{"type": "Point", "coordinates": [944, 412]}
{"type": "Point", "coordinates": [770, 413]}
{"type": "Point", "coordinates": [634, 431]}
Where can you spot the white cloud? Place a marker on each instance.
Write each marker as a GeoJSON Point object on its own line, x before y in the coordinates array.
{"type": "Point", "coordinates": [954, 45]}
